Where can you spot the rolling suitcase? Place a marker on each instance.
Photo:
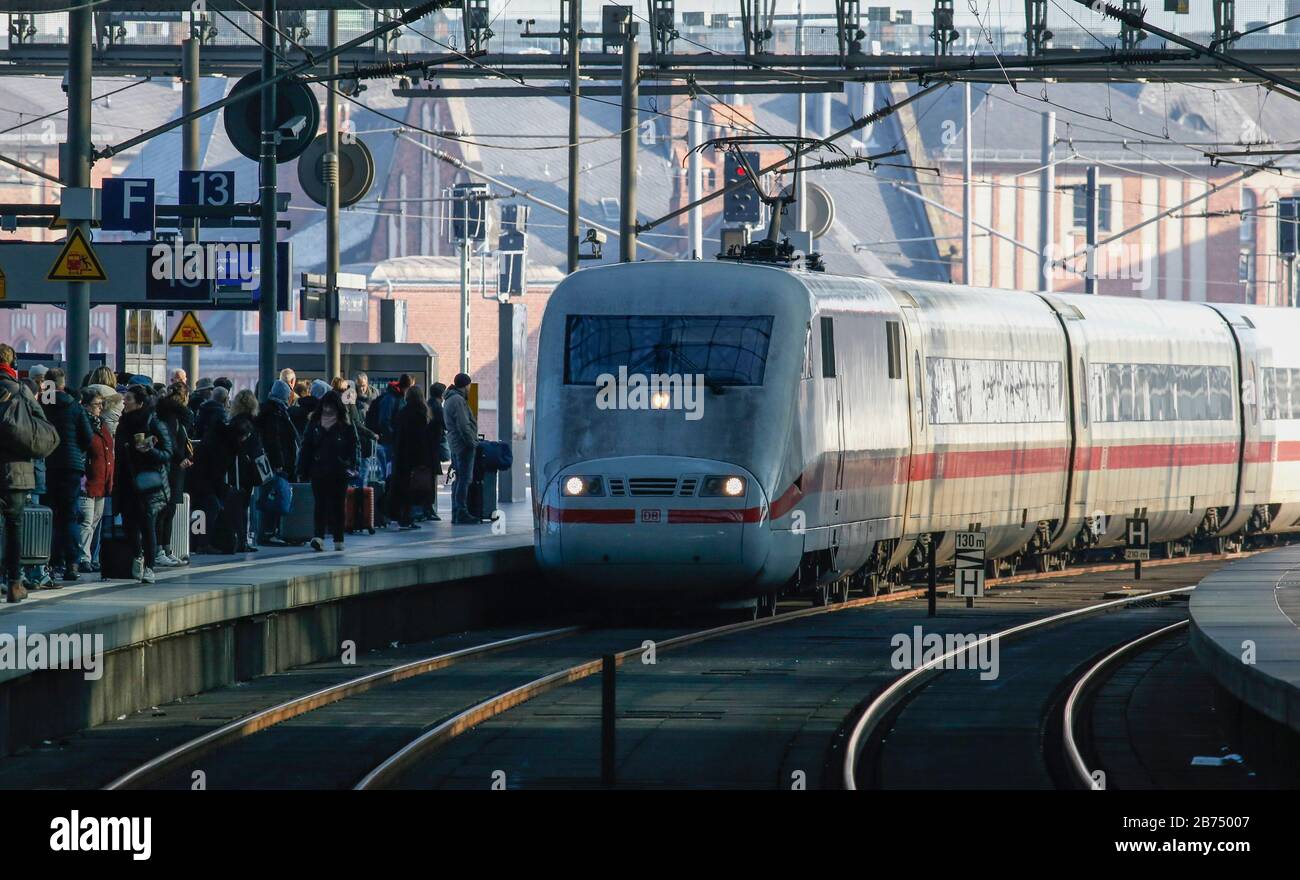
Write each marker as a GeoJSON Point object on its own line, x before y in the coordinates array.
{"type": "Point", "coordinates": [38, 535]}
{"type": "Point", "coordinates": [115, 553]}
{"type": "Point", "coordinates": [230, 530]}
{"type": "Point", "coordinates": [378, 488]}
{"type": "Point", "coordinates": [482, 501]}
{"type": "Point", "coordinates": [180, 536]}
{"type": "Point", "coordinates": [359, 512]}
{"type": "Point", "coordinates": [297, 525]}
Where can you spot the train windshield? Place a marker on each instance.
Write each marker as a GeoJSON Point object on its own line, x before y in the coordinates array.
{"type": "Point", "coordinates": [725, 349]}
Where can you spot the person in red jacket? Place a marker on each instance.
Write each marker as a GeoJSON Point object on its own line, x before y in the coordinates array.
{"type": "Point", "coordinates": [99, 476]}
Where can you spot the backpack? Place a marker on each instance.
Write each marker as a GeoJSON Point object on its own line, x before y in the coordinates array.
{"type": "Point", "coordinates": [31, 435]}
{"type": "Point", "coordinates": [497, 455]}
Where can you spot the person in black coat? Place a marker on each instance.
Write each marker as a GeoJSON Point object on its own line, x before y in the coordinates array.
{"type": "Point", "coordinates": [302, 407]}
{"type": "Point", "coordinates": [235, 447]}
{"type": "Point", "coordinates": [328, 459]}
{"type": "Point", "coordinates": [438, 425]}
{"type": "Point", "coordinates": [215, 410]}
{"type": "Point", "coordinates": [142, 451]}
{"type": "Point", "coordinates": [280, 441]}
{"type": "Point", "coordinates": [65, 467]}
{"type": "Point", "coordinates": [415, 457]}
{"type": "Point", "coordinates": [174, 413]}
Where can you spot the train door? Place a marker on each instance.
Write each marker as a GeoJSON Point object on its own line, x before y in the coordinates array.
{"type": "Point", "coordinates": [916, 504]}
{"type": "Point", "coordinates": [835, 411]}
{"type": "Point", "coordinates": [833, 431]}
{"type": "Point", "coordinates": [1253, 470]}
{"type": "Point", "coordinates": [1078, 512]}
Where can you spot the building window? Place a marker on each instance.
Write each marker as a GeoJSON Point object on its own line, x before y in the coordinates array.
{"type": "Point", "coordinates": [1079, 197]}
{"type": "Point", "coordinates": [1246, 266]}
{"type": "Point", "coordinates": [1246, 232]}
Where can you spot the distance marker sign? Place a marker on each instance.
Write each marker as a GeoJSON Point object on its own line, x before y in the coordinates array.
{"type": "Point", "coordinates": [1137, 544]}
{"type": "Point", "coordinates": [969, 564]}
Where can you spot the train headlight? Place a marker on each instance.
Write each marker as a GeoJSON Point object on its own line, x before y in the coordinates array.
{"type": "Point", "coordinates": [576, 485]}
{"type": "Point", "coordinates": [728, 486]}
{"type": "Point", "coordinates": [660, 400]}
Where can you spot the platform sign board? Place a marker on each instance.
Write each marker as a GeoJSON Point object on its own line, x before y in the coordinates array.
{"type": "Point", "coordinates": [131, 279]}
{"type": "Point", "coordinates": [127, 205]}
{"type": "Point", "coordinates": [212, 189]}
{"type": "Point", "coordinates": [1137, 543]}
{"type": "Point", "coordinates": [969, 564]}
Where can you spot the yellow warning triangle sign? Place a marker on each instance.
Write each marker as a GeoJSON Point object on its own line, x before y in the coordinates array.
{"type": "Point", "coordinates": [77, 261]}
{"type": "Point", "coordinates": [189, 332]}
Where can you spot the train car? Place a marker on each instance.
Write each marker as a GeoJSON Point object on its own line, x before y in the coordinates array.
{"type": "Point", "coordinates": [1270, 391]}
{"type": "Point", "coordinates": [838, 427]}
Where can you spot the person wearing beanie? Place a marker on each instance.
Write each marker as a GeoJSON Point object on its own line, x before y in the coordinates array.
{"type": "Point", "coordinates": [319, 388]}
{"type": "Point", "coordinates": [462, 439]}
{"type": "Point", "coordinates": [202, 391]}
{"type": "Point", "coordinates": [214, 411]}
{"type": "Point", "coordinates": [280, 441]}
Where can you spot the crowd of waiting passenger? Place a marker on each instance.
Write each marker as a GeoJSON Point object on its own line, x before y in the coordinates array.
{"type": "Point", "coordinates": [129, 449]}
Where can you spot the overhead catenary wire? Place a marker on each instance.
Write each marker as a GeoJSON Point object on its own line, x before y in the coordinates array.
{"type": "Point", "coordinates": [516, 191]}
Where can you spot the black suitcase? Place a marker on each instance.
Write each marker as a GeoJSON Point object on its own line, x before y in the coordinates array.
{"type": "Point", "coordinates": [230, 530]}
{"type": "Point", "coordinates": [38, 535]}
{"type": "Point", "coordinates": [115, 553]}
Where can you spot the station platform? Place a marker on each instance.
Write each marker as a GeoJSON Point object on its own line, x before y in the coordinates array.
{"type": "Point", "coordinates": [1246, 632]}
{"type": "Point", "coordinates": [226, 618]}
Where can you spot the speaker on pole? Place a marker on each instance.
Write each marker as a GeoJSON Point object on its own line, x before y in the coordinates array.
{"type": "Point", "coordinates": [356, 171]}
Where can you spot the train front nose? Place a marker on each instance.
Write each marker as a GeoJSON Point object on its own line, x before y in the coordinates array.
{"type": "Point", "coordinates": [654, 525]}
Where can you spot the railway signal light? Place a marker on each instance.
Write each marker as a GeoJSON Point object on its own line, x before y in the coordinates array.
{"type": "Point", "coordinates": [742, 204]}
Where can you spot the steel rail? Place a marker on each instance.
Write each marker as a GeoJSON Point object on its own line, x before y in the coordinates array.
{"type": "Point", "coordinates": [879, 707]}
{"type": "Point", "coordinates": [258, 721]}
{"type": "Point", "coordinates": [1085, 683]}
{"type": "Point", "coordinates": [391, 769]}
{"type": "Point", "coordinates": [387, 772]}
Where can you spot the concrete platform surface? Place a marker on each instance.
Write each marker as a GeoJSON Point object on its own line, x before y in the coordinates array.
{"type": "Point", "coordinates": [1246, 631]}
{"type": "Point", "coordinates": [215, 589]}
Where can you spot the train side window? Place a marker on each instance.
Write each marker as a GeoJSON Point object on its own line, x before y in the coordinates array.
{"type": "Point", "coordinates": [920, 393]}
{"type": "Point", "coordinates": [828, 348]}
{"type": "Point", "coordinates": [807, 352]}
{"type": "Point", "coordinates": [1083, 393]}
{"type": "Point", "coordinates": [893, 347]}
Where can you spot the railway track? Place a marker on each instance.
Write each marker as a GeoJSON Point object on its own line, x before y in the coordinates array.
{"type": "Point", "coordinates": [1094, 777]}
{"type": "Point", "coordinates": [435, 709]}
{"type": "Point", "coordinates": [940, 727]}
{"type": "Point", "coordinates": [418, 764]}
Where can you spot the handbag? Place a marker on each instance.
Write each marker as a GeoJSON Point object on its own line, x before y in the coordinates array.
{"type": "Point", "coordinates": [21, 430]}
{"type": "Point", "coordinates": [421, 484]}
{"type": "Point", "coordinates": [264, 472]}
{"type": "Point", "coordinates": [149, 482]}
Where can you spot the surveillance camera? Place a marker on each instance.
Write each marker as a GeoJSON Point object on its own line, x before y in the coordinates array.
{"type": "Point", "coordinates": [595, 236]}
{"type": "Point", "coordinates": [293, 128]}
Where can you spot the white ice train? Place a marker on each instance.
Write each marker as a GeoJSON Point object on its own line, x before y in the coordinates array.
{"type": "Point", "coordinates": [844, 423]}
